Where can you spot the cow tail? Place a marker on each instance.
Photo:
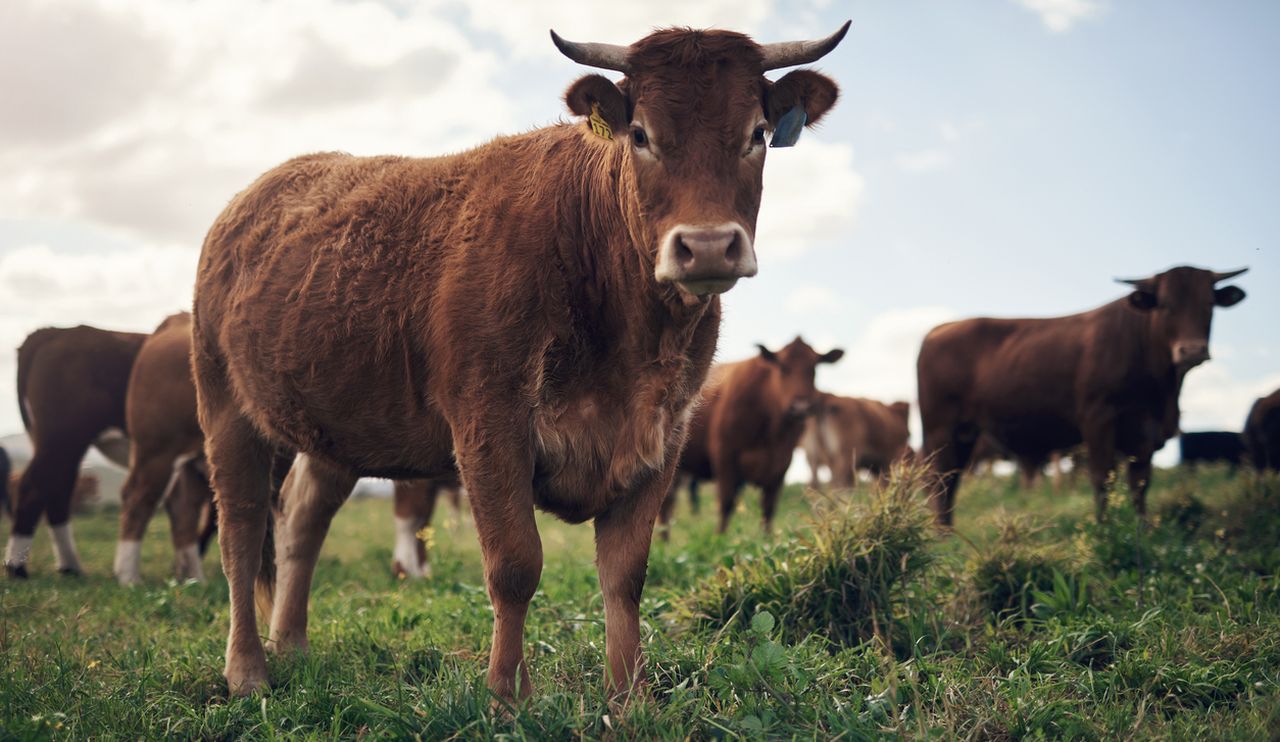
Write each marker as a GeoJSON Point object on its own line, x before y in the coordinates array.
{"type": "Point", "coordinates": [264, 587]}
{"type": "Point", "coordinates": [26, 358]}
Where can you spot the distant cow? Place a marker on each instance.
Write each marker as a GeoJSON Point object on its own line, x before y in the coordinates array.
{"type": "Point", "coordinates": [847, 434]}
{"type": "Point", "coordinates": [167, 459]}
{"type": "Point", "coordinates": [415, 503]}
{"type": "Point", "coordinates": [71, 390]}
{"type": "Point", "coordinates": [537, 314]}
{"type": "Point", "coordinates": [749, 423]}
{"type": "Point", "coordinates": [1208, 447]}
{"type": "Point", "coordinates": [1109, 377]}
{"type": "Point", "coordinates": [1262, 432]}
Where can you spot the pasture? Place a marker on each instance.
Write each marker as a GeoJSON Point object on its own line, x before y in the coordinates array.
{"type": "Point", "coordinates": [1029, 622]}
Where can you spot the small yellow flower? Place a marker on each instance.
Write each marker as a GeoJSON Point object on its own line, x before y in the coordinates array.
{"type": "Point", "coordinates": [93, 664]}
{"type": "Point", "coordinates": [427, 536]}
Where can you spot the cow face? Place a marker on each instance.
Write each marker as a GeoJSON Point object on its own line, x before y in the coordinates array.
{"type": "Point", "coordinates": [796, 366]}
{"type": "Point", "coordinates": [1180, 305]}
{"type": "Point", "coordinates": [691, 118]}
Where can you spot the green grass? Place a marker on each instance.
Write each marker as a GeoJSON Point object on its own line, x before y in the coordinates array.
{"type": "Point", "coordinates": [1029, 622]}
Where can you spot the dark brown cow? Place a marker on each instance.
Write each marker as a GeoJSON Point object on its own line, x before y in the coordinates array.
{"type": "Point", "coordinates": [6, 468]}
{"type": "Point", "coordinates": [415, 503]}
{"type": "Point", "coordinates": [71, 390]}
{"type": "Point", "coordinates": [850, 433]}
{"type": "Point", "coordinates": [1262, 432]}
{"type": "Point", "coordinates": [1109, 377]}
{"type": "Point", "coordinates": [537, 314]}
{"type": "Point", "coordinates": [167, 453]}
{"type": "Point", "coordinates": [750, 420]}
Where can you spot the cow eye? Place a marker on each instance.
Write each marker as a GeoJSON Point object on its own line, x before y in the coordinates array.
{"type": "Point", "coordinates": [639, 138]}
{"type": "Point", "coordinates": [757, 136]}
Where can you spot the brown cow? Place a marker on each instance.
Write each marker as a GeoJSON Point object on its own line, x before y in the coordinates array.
{"type": "Point", "coordinates": [71, 390]}
{"type": "Point", "coordinates": [167, 453]}
{"type": "Point", "coordinates": [749, 423]}
{"type": "Point", "coordinates": [1262, 432]}
{"type": "Point", "coordinates": [415, 503]}
{"type": "Point", "coordinates": [6, 468]}
{"type": "Point", "coordinates": [1109, 377]}
{"type": "Point", "coordinates": [846, 434]}
{"type": "Point", "coordinates": [537, 314]}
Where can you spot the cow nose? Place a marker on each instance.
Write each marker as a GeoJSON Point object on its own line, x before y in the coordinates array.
{"type": "Point", "coordinates": [1188, 353]}
{"type": "Point", "coordinates": [706, 260]}
{"type": "Point", "coordinates": [800, 408]}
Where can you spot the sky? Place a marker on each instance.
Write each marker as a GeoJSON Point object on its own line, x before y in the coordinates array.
{"type": "Point", "coordinates": [995, 157]}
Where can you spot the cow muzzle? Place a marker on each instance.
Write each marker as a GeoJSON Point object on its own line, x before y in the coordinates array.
{"type": "Point", "coordinates": [705, 260]}
{"type": "Point", "coordinates": [1190, 353]}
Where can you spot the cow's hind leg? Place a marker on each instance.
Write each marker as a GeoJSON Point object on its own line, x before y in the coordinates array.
{"type": "Point", "coordinates": [769, 505]}
{"type": "Point", "coordinates": [414, 503]}
{"type": "Point", "coordinates": [47, 487]}
{"type": "Point", "coordinates": [186, 504]}
{"type": "Point", "coordinates": [151, 474]}
{"type": "Point", "coordinates": [1139, 481]}
{"type": "Point", "coordinates": [312, 493]}
{"type": "Point", "coordinates": [728, 486]}
{"type": "Point", "coordinates": [240, 464]}
{"type": "Point", "coordinates": [949, 450]}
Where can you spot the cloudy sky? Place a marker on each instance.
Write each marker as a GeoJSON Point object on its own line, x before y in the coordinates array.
{"type": "Point", "coordinates": [998, 157]}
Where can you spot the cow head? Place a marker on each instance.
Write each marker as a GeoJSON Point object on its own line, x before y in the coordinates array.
{"type": "Point", "coordinates": [690, 118]}
{"type": "Point", "coordinates": [1180, 305]}
{"type": "Point", "coordinates": [796, 366]}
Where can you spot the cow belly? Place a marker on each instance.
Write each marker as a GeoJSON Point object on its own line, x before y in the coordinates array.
{"type": "Point", "coordinates": [1035, 437]}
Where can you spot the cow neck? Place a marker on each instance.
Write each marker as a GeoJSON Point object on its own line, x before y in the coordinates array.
{"type": "Point", "coordinates": [608, 280]}
{"type": "Point", "coordinates": [1152, 350]}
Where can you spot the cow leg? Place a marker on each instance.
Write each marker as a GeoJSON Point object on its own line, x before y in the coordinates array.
{"type": "Point", "coordinates": [313, 491]}
{"type": "Point", "coordinates": [57, 511]}
{"type": "Point", "coordinates": [623, 535]}
{"type": "Point", "coordinates": [728, 485]}
{"type": "Point", "coordinates": [1102, 461]}
{"type": "Point", "coordinates": [186, 504]}
{"type": "Point", "coordinates": [769, 505]}
{"type": "Point", "coordinates": [1139, 481]}
{"type": "Point", "coordinates": [151, 475]}
{"type": "Point", "coordinates": [950, 452]}
{"type": "Point", "coordinates": [694, 503]}
{"type": "Point", "coordinates": [240, 465]}
{"type": "Point", "coordinates": [415, 503]}
{"type": "Point", "coordinates": [668, 506]}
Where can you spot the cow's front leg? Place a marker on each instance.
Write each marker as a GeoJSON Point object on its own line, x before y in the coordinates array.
{"type": "Point", "coordinates": [1139, 481]}
{"type": "Point", "coordinates": [498, 473]}
{"type": "Point", "coordinates": [623, 535]}
{"type": "Point", "coordinates": [1100, 441]}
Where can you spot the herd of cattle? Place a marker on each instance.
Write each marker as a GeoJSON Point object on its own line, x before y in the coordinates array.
{"type": "Point", "coordinates": [535, 319]}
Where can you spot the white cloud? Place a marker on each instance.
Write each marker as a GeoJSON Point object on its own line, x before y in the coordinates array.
{"type": "Point", "coordinates": [807, 301]}
{"type": "Point", "coordinates": [1213, 399]}
{"type": "Point", "coordinates": [812, 193]}
{"type": "Point", "coordinates": [924, 161]}
{"type": "Point", "coordinates": [1059, 16]}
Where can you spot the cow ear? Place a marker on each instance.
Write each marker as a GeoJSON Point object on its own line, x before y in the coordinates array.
{"type": "Point", "coordinates": [1228, 296]}
{"type": "Point", "coordinates": [1142, 300]}
{"type": "Point", "coordinates": [813, 91]}
{"type": "Point", "coordinates": [831, 356]}
{"type": "Point", "coordinates": [767, 354]}
{"type": "Point", "coordinates": [599, 91]}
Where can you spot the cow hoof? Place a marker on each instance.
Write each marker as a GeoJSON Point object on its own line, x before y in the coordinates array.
{"type": "Point", "coordinates": [247, 683]}
{"type": "Point", "coordinates": [70, 572]}
{"type": "Point", "coordinates": [17, 571]}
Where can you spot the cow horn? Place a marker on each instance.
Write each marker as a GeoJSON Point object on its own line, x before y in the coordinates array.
{"type": "Point", "coordinates": [1133, 281]}
{"type": "Point", "coordinates": [792, 53]}
{"type": "Point", "coordinates": [1229, 274]}
{"type": "Point", "coordinates": [604, 56]}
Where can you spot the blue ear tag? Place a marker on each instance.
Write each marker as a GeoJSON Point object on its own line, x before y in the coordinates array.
{"type": "Point", "coordinates": [787, 132]}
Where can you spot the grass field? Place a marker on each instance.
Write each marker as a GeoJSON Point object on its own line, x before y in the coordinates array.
{"type": "Point", "coordinates": [1030, 621]}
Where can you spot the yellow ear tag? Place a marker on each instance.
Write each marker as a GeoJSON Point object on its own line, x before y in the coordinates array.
{"type": "Point", "coordinates": [599, 126]}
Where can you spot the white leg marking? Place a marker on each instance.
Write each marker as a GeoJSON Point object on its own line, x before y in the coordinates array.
{"type": "Point", "coordinates": [187, 564]}
{"type": "Point", "coordinates": [15, 555]}
{"type": "Point", "coordinates": [64, 548]}
{"type": "Point", "coordinates": [128, 562]}
{"type": "Point", "coordinates": [406, 551]}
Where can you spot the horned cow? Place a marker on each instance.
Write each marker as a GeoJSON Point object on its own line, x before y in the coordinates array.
{"type": "Point", "coordinates": [536, 314]}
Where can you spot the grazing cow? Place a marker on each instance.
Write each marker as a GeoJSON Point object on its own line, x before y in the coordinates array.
{"type": "Point", "coordinates": [536, 314]}
{"type": "Point", "coordinates": [1109, 377]}
{"type": "Point", "coordinates": [415, 503]}
{"type": "Point", "coordinates": [1212, 446]}
{"type": "Point", "coordinates": [846, 434]}
{"type": "Point", "coordinates": [1262, 432]}
{"type": "Point", "coordinates": [71, 391]}
{"type": "Point", "coordinates": [749, 423]}
{"type": "Point", "coordinates": [167, 458]}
